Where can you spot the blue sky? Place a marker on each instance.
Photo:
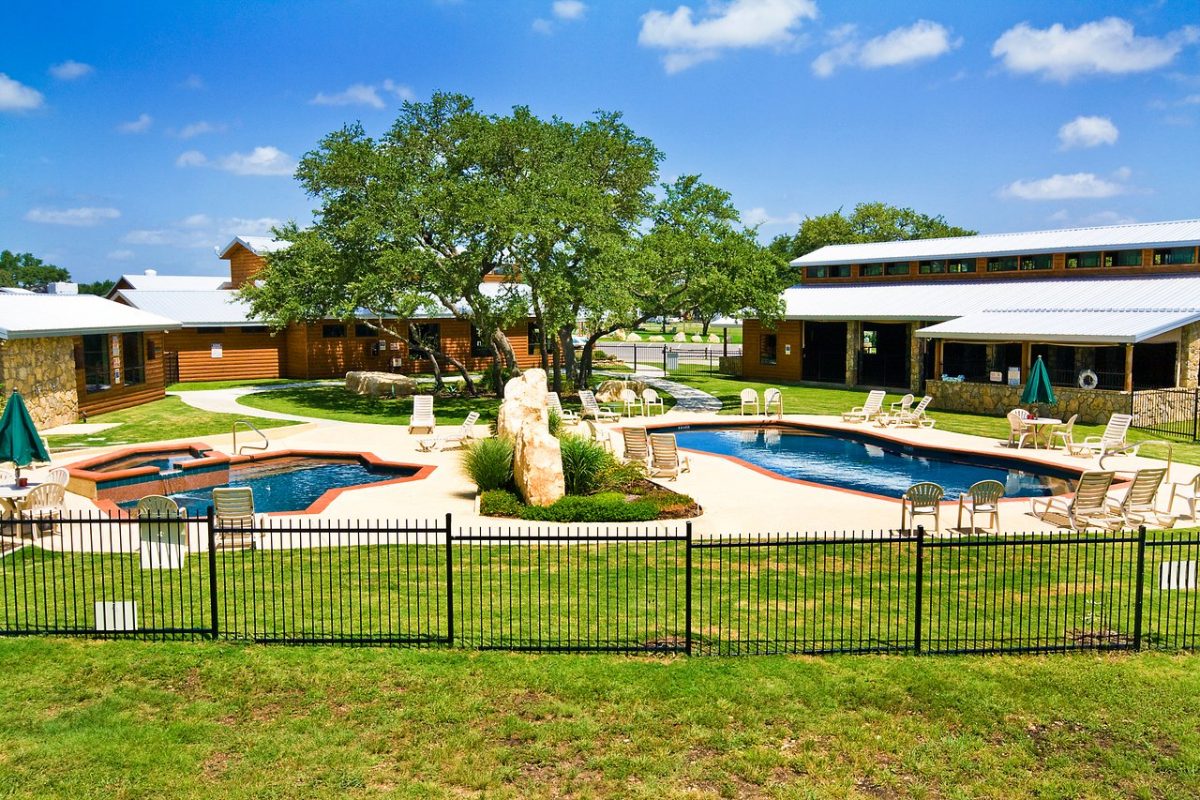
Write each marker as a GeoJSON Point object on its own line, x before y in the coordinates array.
{"type": "Point", "coordinates": [139, 135]}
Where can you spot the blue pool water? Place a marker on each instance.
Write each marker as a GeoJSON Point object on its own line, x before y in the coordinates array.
{"type": "Point", "coordinates": [291, 485]}
{"type": "Point", "coordinates": [865, 465]}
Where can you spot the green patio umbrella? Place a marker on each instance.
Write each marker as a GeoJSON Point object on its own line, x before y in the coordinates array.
{"type": "Point", "coordinates": [1037, 388]}
{"type": "Point", "coordinates": [19, 439]}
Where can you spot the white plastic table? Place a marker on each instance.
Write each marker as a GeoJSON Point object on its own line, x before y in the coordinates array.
{"type": "Point", "coordinates": [1037, 424]}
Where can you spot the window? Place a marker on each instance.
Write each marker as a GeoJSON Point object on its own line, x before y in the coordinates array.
{"type": "Point", "coordinates": [960, 265]}
{"type": "Point", "coordinates": [767, 345]}
{"type": "Point", "coordinates": [870, 342]}
{"type": "Point", "coordinates": [931, 267]}
{"type": "Point", "coordinates": [534, 338]}
{"type": "Point", "coordinates": [479, 348]}
{"type": "Point", "coordinates": [365, 331]}
{"type": "Point", "coordinates": [210, 330]}
{"type": "Point", "coordinates": [833, 271]}
{"type": "Point", "coordinates": [95, 362]}
{"type": "Point", "coordinates": [1123, 258]}
{"type": "Point", "coordinates": [254, 329]}
{"type": "Point", "coordinates": [1083, 260]}
{"type": "Point", "coordinates": [1174, 255]}
{"type": "Point", "coordinates": [424, 337]}
{"type": "Point", "coordinates": [333, 331]}
{"type": "Point", "coordinates": [870, 270]}
{"type": "Point", "coordinates": [1002, 264]}
{"type": "Point", "coordinates": [133, 357]}
{"type": "Point", "coordinates": [898, 268]}
{"type": "Point", "coordinates": [1035, 262]}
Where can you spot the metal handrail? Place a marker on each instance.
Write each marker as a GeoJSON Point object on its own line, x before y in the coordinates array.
{"type": "Point", "coordinates": [1134, 449]}
{"type": "Point", "coordinates": [264, 446]}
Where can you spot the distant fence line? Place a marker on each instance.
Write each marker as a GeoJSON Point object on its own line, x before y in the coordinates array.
{"type": "Point", "coordinates": [639, 589]}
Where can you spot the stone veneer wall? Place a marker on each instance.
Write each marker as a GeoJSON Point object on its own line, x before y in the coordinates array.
{"type": "Point", "coordinates": [43, 371]}
{"type": "Point", "coordinates": [997, 399]}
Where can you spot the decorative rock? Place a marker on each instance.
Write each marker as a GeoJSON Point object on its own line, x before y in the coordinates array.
{"type": "Point", "coordinates": [714, 339]}
{"type": "Point", "coordinates": [618, 334]}
{"type": "Point", "coordinates": [375, 384]}
{"type": "Point", "coordinates": [537, 456]}
{"type": "Point", "coordinates": [679, 337]}
{"type": "Point", "coordinates": [610, 391]}
{"type": "Point", "coordinates": [697, 338]}
{"type": "Point", "coordinates": [655, 338]}
{"type": "Point", "coordinates": [633, 337]}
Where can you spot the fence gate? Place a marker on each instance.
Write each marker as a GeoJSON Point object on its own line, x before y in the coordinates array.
{"type": "Point", "coordinates": [1167, 412]}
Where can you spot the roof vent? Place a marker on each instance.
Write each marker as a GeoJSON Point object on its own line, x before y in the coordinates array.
{"type": "Point", "coordinates": [151, 272]}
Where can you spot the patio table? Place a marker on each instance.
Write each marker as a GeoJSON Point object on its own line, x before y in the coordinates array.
{"type": "Point", "coordinates": [1037, 425]}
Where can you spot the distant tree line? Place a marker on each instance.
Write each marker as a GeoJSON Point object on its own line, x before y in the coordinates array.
{"type": "Point", "coordinates": [27, 271]}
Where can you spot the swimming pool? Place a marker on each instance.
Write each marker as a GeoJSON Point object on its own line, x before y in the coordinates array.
{"type": "Point", "coordinates": [286, 484]}
{"type": "Point", "coordinates": [867, 464]}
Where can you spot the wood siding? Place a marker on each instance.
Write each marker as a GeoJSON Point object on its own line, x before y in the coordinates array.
{"type": "Point", "coordinates": [122, 395]}
{"type": "Point", "coordinates": [786, 366]}
{"type": "Point", "coordinates": [243, 265]}
{"type": "Point", "coordinates": [244, 354]}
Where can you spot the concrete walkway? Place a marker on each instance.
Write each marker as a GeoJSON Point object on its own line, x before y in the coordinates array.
{"type": "Point", "coordinates": [225, 401]}
{"type": "Point", "coordinates": [687, 398]}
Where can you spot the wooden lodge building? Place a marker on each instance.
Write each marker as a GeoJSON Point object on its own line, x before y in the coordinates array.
{"type": "Point", "coordinates": [1109, 309]}
{"type": "Point", "coordinates": [219, 340]}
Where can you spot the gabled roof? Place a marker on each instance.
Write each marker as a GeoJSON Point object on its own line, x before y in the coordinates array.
{"type": "Point", "coordinates": [33, 316]}
{"type": "Point", "coordinates": [152, 281]}
{"type": "Point", "coordinates": [259, 245]}
{"type": "Point", "coordinates": [193, 308]}
{"type": "Point", "coordinates": [1134, 236]}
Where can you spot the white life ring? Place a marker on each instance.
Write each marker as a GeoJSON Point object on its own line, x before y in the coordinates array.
{"type": "Point", "coordinates": [1088, 379]}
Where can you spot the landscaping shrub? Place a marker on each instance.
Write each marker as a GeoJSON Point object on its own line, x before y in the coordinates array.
{"type": "Point", "coordinates": [555, 423]}
{"type": "Point", "coordinates": [621, 476]}
{"type": "Point", "coordinates": [583, 462]}
{"type": "Point", "coordinates": [500, 503]}
{"type": "Point", "coordinates": [603, 507]}
{"type": "Point", "coordinates": [489, 463]}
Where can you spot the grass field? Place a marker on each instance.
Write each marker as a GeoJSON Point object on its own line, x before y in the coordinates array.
{"type": "Point", "coordinates": [169, 418]}
{"type": "Point", "coordinates": [334, 402]}
{"type": "Point", "coordinates": [202, 386]}
{"type": "Point", "coordinates": [83, 719]}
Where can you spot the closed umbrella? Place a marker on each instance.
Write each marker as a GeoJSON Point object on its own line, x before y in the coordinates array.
{"type": "Point", "coordinates": [1037, 388]}
{"type": "Point", "coordinates": [19, 439]}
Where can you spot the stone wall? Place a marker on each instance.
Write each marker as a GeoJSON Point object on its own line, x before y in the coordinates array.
{"type": "Point", "coordinates": [43, 371]}
{"type": "Point", "coordinates": [1189, 355]}
{"type": "Point", "coordinates": [997, 399]}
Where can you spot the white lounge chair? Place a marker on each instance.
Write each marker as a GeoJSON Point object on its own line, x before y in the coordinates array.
{"type": "Point", "coordinates": [868, 410]}
{"type": "Point", "coordinates": [665, 460]}
{"type": "Point", "coordinates": [650, 399]}
{"type": "Point", "coordinates": [915, 417]}
{"type": "Point", "coordinates": [1018, 431]}
{"type": "Point", "coordinates": [1188, 491]}
{"type": "Point", "coordinates": [422, 415]}
{"type": "Point", "coordinates": [1137, 505]}
{"type": "Point", "coordinates": [632, 400]}
{"type": "Point", "coordinates": [749, 399]}
{"type": "Point", "coordinates": [637, 445]}
{"type": "Point", "coordinates": [982, 498]}
{"type": "Point", "coordinates": [592, 409]}
{"type": "Point", "coordinates": [1089, 503]}
{"type": "Point", "coordinates": [922, 499]}
{"type": "Point", "coordinates": [233, 507]}
{"type": "Point", "coordinates": [773, 399]}
{"type": "Point", "coordinates": [554, 403]}
{"type": "Point", "coordinates": [463, 433]}
{"type": "Point", "coordinates": [1111, 441]}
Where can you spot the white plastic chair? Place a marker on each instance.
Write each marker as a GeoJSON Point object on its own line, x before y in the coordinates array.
{"type": "Point", "coordinates": [650, 399]}
{"type": "Point", "coordinates": [59, 475]}
{"type": "Point", "coordinates": [982, 498]}
{"type": "Point", "coordinates": [749, 400]}
{"type": "Point", "coordinates": [773, 398]}
{"type": "Point", "coordinates": [631, 400]}
{"type": "Point", "coordinates": [1018, 431]}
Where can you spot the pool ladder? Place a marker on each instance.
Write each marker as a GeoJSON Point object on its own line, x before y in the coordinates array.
{"type": "Point", "coordinates": [266, 443]}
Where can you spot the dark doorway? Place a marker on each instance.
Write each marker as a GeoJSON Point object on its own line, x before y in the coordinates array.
{"type": "Point", "coordinates": [883, 355]}
{"type": "Point", "coordinates": [1154, 365]}
{"type": "Point", "coordinates": [824, 358]}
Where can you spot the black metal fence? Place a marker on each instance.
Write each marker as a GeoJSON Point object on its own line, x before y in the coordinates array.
{"type": "Point", "coordinates": [673, 358]}
{"type": "Point", "coordinates": [576, 589]}
{"type": "Point", "coordinates": [1167, 412]}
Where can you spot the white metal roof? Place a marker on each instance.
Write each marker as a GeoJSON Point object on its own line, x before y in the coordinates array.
{"type": "Point", "coordinates": [193, 308]}
{"type": "Point", "coordinates": [937, 301]}
{"type": "Point", "coordinates": [32, 316]}
{"type": "Point", "coordinates": [1140, 235]}
{"type": "Point", "coordinates": [152, 281]}
{"type": "Point", "coordinates": [259, 245]}
{"type": "Point", "coordinates": [1099, 326]}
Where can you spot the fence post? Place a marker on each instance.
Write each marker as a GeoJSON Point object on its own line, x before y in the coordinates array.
{"type": "Point", "coordinates": [635, 358]}
{"type": "Point", "coordinates": [687, 588]}
{"type": "Point", "coordinates": [449, 583]}
{"type": "Point", "coordinates": [920, 588]}
{"type": "Point", "coordinates": [214, 629]}
{"type": "Point", "coordinates": [665, 373]}
{"type": "Point", "coordinates": [1140, 585]}
{"type": "Point", "coordinates": [1195, 414]}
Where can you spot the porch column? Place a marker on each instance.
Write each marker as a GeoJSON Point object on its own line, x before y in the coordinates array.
{"type": "Point", "coordinates": [1026, 359]}
{"type": "Point", "coordinates": [1129, 368]}
{"type": "Point", "coordinates": [853, 345]}
{"type": "Point", "coordinates": [937, 358]}
{"type": "Point", "coordinates": [1188, 356]}
{"type": "Point", "coordinates": [916, 358]}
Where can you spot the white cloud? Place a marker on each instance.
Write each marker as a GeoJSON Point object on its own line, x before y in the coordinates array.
{"type": "Point", "coordinates": [259, 226]}
{"type": "Point", "coordinates": [196, 221]}
{"type": "Point", "coordinates": [200, 128]}
{"type": "Point", "coordinates": [139, 125]}
{"type": "Point", "coordinates": [259, 161]}
{"type": "Point", "coordinates": [71, 70]}
{"type": "Point", "coordinates": [200, 231]}
{"type": "Point", "coordinates": [363, 94]}
{"type": "Point", "coordinates": [120, 255]}
{"type": "Point", "coordinates": [1087, 132]}
{"type": "Point", "coordinates": [1080, 185]}
{"type": "Point", "coordinates": [920, 41]}
{"type": "Point", "coordinates": [193, 82]}
{"type": "Point", "coordinates": [1108, 46]}
{"type": "Point", "coordinates": [543, 26]}
{"type": "Point", "coordinates": [732, 25]}
{"type": "Point", "coordinates": [77, 217]}
{"type": "Point", "coordinates": [568, 9]}
{"type": "Point", "coordinates": [16, 96]}
{"type": "Point", "coordinates": [1065, 218]}
{"type": "Point", "coordinates": [758, 216]}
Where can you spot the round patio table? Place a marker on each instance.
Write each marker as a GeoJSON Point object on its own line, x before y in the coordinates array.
{"type": "Point", "coordinates": [1037, 425]}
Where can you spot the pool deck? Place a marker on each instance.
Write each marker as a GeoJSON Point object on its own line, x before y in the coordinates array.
{"type": "Point", "coordinates": [736, 499]}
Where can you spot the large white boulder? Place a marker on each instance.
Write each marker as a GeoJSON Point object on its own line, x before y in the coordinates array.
{"type": "Point", "coordinates": [680, 337]}
{"type": "Point", "coordinates": [537, 457]}
{"type": "Point", "coordinates": [633, 337]}
{"type": "Point", "coordinates": [376, 384]}
{"type": "Point", "coordinates": [610, 391]}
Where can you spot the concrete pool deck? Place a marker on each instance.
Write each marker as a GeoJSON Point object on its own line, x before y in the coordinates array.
{"type": "Point", "coordinates": [736, 499]}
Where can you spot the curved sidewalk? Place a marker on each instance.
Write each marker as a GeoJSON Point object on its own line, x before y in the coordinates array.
{"type": "Point", "coordinates": [687, 398]}
{"type": "Point", "coordinates": [225, 401]}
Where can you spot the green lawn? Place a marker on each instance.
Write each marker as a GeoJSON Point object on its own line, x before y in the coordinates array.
{"type": "Point", "coordinates": [334, 402]}
{"type": "Point", "coordinates": [819, 400]}
{"type": "Point", "coordinates": [85, 719]}
{"type": "Point", "coordinates": [690, 328]}
{"type": "Point", "coordinates": [201, 386]}
{"type": "Point", "coordinates": [169, 418]}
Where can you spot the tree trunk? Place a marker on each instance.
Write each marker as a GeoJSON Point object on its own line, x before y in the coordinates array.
{"type": "Point", "coordinates": [567, 348]}
{"type": "Point", "coordinates": [506, 351]}
{"type": "Point", "coordinates": [704, 326]}
{"type": "Point", "coordinates": [468, 384]}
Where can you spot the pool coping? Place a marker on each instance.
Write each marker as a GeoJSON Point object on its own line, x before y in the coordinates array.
{"type": "Point", "coordinates": [364, 457]}
{"type": "Point", "coordinates": [869, 434]}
